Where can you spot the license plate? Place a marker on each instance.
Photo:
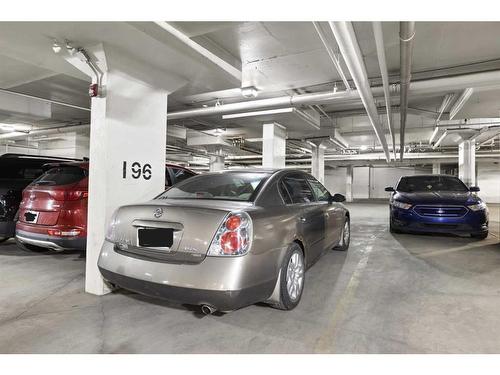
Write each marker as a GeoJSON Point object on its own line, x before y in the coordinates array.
{"type": "Point", "coordinates": [155, 237]}
{"type": "Point", "coordinates": [31, 216]}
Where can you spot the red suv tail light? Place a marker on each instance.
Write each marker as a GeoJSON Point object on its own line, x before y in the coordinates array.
{"type": "Point", "coordinates": [68, 195]}
{"type": "Point", "coordinates": [233, 236]}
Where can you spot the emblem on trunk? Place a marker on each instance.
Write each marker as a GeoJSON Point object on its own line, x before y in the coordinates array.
{"type": "Point", "coordinates": [158, 213]}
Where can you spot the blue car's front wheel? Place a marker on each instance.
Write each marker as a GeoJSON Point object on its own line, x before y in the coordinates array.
{"type": "Point", "coordinates": [480, 236]}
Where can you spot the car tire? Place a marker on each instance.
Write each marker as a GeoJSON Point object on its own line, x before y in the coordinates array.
{"type": "Point", "coordinates": [292, 278]}
{"type": "Point", "coordinates": [345, 237]}
{"type": "Point", "coordinates": [480, 236]}
{"type": "Point", "coordinates": [392, 229]}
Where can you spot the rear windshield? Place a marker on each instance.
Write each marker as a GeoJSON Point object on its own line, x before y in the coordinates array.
{"type": "Point", "coordinates": [239, 186]}
{"type": "Point", "coordinates": [430, 183]}
{"type": "Point", "coordinates": [61, 176]}
{"type": "Point", "coordinates": [20, 171]}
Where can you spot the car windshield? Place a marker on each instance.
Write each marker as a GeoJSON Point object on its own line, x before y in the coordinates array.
{"type": "Point", "coordinates": [430, 183]}
{"type": "Point", "coordinates": [236, 186]}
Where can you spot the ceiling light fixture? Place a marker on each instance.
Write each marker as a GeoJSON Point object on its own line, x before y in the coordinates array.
{"type": "Point", "coordinates": [69, 47]}
{"type": "Point", "coordinates": [258, 113]}
{"type": "Point", "coordinates": [56, 47]}
{"type": "Point", "coordinates": [249, 92]}
{"type": "Point", "coordinates": [363, 148]}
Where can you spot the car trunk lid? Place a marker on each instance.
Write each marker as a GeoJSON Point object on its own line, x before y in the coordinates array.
{"type": "Point", "coordinates": [192, 224]}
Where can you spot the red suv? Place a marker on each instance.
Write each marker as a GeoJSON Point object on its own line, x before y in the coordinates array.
{"type": "Point", "coordinates": [53, 210]}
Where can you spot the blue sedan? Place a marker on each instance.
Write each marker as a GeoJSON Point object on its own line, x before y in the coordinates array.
{"type": "Point", "coordinates": [437, 203]}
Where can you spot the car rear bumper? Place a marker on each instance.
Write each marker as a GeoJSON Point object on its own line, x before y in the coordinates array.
{"type": "Point", "coordinates": [7, 228]}
{"type": "Point", "coordinates": [224, 283]}
{"type": "Point", "coordinates": [51, 242]}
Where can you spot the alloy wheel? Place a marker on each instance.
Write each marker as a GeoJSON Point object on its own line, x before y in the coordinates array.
{"type": "Point", "coordinates": [295, 276]}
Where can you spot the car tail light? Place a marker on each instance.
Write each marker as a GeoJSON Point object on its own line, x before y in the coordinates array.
{"type": "Point", "coordinates": [68, 195]}
{"type": "Point", "coordinates": [233, 236]}
{"type": "Point", "coordinates": [70, 232]}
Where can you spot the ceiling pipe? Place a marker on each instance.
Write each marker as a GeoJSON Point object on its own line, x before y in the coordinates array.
{"type": "Point", "coordinates": [446, 102]}
{"type": "Point", "coordinates": [54, 130]}
{"type": "Point", "coordinates": [379, 42]}
{"type": "Point", "coordinates": [277, 102]}
{"type": "Point", "coordinates": [406, 36]}
{"type": "Point", "coordinates": [332, 54]}
{"type": "Point", "coordinates": [462, 99]}
{"type": "Point", "coordinates": [349, 48]}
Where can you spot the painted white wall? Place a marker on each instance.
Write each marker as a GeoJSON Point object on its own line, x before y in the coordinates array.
{"type": "Point", "coordinates": [361, 182]}
{"type": "Point", "coordinates": [335, 180]}
{"type": "Point", "coordinates": [488, 180]}
{"type": "Point", "coordinates": [380, 178]}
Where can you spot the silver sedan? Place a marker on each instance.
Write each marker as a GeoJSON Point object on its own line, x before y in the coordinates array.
{"type": "Point", "coordinates": [227, 239]}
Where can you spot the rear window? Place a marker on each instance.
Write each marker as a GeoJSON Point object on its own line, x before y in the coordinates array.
{"type": "Point", "coordinates": [61, 176]}
{"type": "Point", "coordinates": [430, 183]}
{"type": "Point", "coordinates": [20, 171]}
{"type": "Point", "coordinates": [237, 186]}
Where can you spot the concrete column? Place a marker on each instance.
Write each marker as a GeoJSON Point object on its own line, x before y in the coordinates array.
{"type": "Point", "coordinates": [436, 168]}
{"type": "Point", "coordinates": [273, 145]}
{"type": "Point", "coordinates": [467, 162]}
{"type": "Point", "coordinates": [216, 163]}
{"type": "Point", "coordinates": [127, 143]}
{"type": "Point", "coordinates": [349, 182]}
{"type": "Point", "coordinates": [318, 163]}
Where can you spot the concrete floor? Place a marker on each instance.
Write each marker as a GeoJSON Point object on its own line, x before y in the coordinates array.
{"type": "Point", "coordinates": [387, 294]}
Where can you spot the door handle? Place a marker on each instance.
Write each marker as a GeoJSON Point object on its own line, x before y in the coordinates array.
{"type": "Point", "coordinates": [302, 219]}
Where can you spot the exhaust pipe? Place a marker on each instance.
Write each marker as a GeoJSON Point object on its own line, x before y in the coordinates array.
{"type": "Point", "coordinates": [208, 310]}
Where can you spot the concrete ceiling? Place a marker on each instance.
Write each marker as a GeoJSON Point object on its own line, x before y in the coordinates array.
{"type": "Point", "coordinates": [279, 58]}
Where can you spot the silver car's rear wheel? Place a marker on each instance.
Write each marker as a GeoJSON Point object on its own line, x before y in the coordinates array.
{"type": "Point", "coordinates": [295, 276]}
{"type": "Point", "coordinates": [292, 278]}
{"type": "Point", "coordinates": [345, 237]}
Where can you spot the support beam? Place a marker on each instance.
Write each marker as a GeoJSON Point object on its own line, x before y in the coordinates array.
{"type": "Point", "coordinates": [467, 162]}
{"type": "Point", "coordinates": [273, 145]}
{"type": "Point", "coordinates": [349, 47]}
{"type": "Point", "coordinates": [349, 183]}
{"type": "Point", "coordinates": [216, 163]}
{"type": "Point", "coordinates": [462, 99]}
{"type": "Point", "coordinates": [436, 168]}
{"type": "Point", "coordinates": [318, 162]}
{"type": "Point", "coordinates": [126, 131]}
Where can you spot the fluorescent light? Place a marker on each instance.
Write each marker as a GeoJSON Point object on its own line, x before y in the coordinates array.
{"type": "Point", "coordinates": [7, 127]}
{"type": "Point", "coordinates": [56, 47]}
{"type": "Point", "coordinates": [258, 113]}
{"type": "Point", "coordinates": [363, 148]}
{"type": "Point", "coordinates": [434, 133]}
{"type": "Point", "coordinates": [249, 92]}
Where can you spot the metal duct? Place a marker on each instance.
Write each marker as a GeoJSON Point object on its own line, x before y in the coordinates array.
{"type": "Point", "coordinates": [54, 130]}
{"type": "Point", "coordinates": [349, 48]}
{"type": "Point", "coordinates": [406, 36]}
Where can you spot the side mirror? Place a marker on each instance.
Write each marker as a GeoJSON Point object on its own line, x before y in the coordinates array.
{"type": "Point", "coordinates": [389, 188]}
{"type": "Point", "coordinates": [337, 198]}
{"type": "Point", "coordinates": [474, 189]}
